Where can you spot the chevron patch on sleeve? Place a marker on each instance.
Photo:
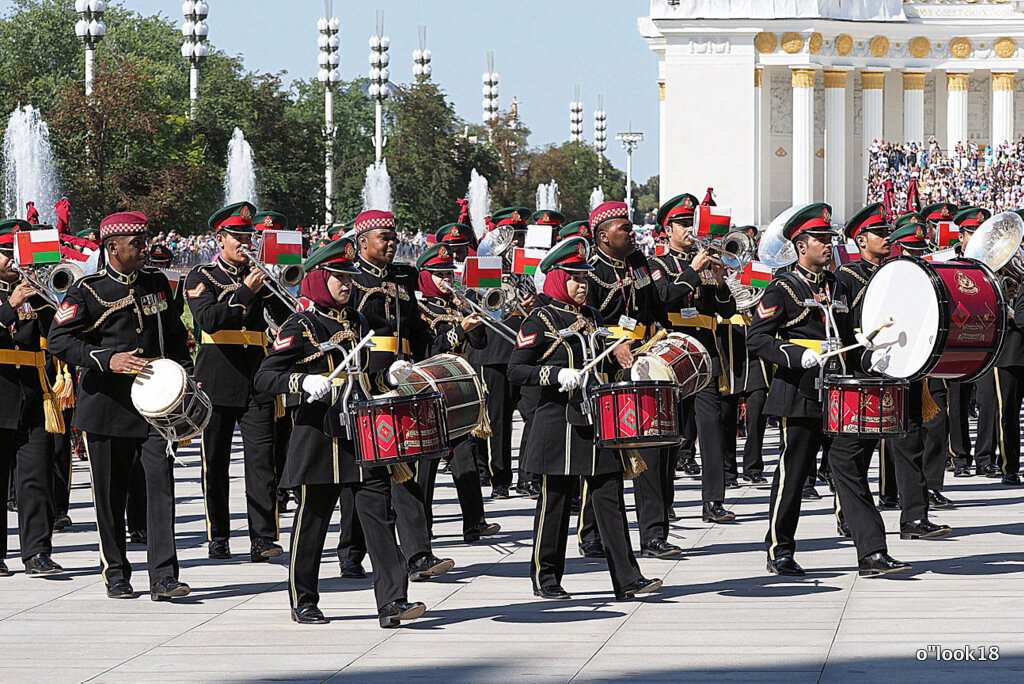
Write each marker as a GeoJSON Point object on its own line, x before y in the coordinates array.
{"type": "Point", "coordinates": [196, 291]}
{"type": "Point", "coordinates": [765, 311]}
{"type": "Point", "coordinates": [65, 313]}
{"type": "Point", "coordinates": [525, 340]}
{"type": "Point", "coordinates": [283, 342]}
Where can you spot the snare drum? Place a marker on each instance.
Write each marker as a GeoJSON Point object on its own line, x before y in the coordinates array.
{"type": "Point", "coordinates": [949, 318]}
{"type": "Point", "coordinates": [865, 407]}
{"type": "Point", "coordinates": [459, 386]}
{"type": "Point", "coordinates": [398, 429]}
{"type": "Point", "coordinates": [170, 400]}
{"type": "Point", "coordinates": [681, 359]}
{"type": "Point", "coordinates": [634, 415]}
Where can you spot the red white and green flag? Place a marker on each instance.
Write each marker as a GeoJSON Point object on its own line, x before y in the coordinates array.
{"type": "Point", "coordinates": [174, 278]}
{"type": "Point", "coordinates": [483, 272]}
{"type": "Point", "coordinates": [526, 261]}
{"type": "Point", "coordinates": [460, 273]}
{"type": "Point", "coordinates": [33, 247]}
{"type": "Point", "coordinates": [756, 274]}
{"type": "Point", "coordinates": [660, 249]}
{"type": "Point", "coordinates": [845, 253]}
{"type": "Point", "coordinates": [282, 247]}
{"type": "Point", "coordinates": [947, 232]}
{"type": "Point", "coordinates": [713, 220]}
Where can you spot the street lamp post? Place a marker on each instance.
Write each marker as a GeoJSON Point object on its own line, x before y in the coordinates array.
{"type": "Point", "coordinates": [490, 91]}
{"type": "Point", "coordinates": [379, 76]}
{"type": "Point", "coordinates": [600, 135]}
{"type": "Point", "coordinates": [629, 139]}
{"type": "Point", "coordinates": [328, 75]}
{"type": "Point", "coordinates": [421, 58]}
{"type": "Point", "coordinates": [90, 29]}
{"type": "Point", "coordinates": [576, 119]}
{"type": "Point", "coordinates": [195, 31]}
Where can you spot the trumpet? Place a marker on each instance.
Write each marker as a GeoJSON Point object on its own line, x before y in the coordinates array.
{"type": "Point", "coordinates": [277, 287]}
{"type": "Point", "coordinates": [734, 251]}
{"type": "Point", "coordinates": [53, 282]}
{"type": "Point", "coordinates": [469, 306]}
{"type": "Point", "coordinates": [492, 299]}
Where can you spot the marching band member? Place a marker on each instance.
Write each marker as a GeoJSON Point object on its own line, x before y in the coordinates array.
{"type": "Point", "coordinates": [321, 461]}
{"type": "Point", "coordinates": [561, 445]}
{"type": "Point", "coordinates": [227, 299]}
{"type": "Point", "coordinates": [25, 426]}
{"type": "Point", "coordinates": [1008, 380]}
{"type": "Point", "coordinates": [111, 324]}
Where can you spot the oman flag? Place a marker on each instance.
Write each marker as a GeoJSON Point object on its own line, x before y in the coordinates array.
{"type": "Point", "coordinates": [174, 278]}
{"type": "Point", "coordinates": [713, 220]}
{"type": "Point", "coordinates": [483, 272]}
{"type": "Point", "coordinates": [282, 247]}
{"type": "Point", "coordinates": [526, 261]}
{"type": "Point", "coordinates": [33, 247]}
{"type": "Point", "coordinates": [756, 274]}
{"type": "Point", "coordinates": [947, 232]}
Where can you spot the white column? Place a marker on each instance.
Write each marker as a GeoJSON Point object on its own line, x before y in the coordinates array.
{"type": "Point", "coordinates": [758, 73]}
{"type": "Point", "coordinates": [872, 85]}
{"type": "Point", "coordinates": [956, 108]}
{"type": "Point", "coordinates": [913, 106]}
{"type": "Point", "coordinates": [803, 135]}
{"type": "Point", "coordinates": [835, 141]}
{"type": "Point", "coordinates": [329, 159]}
{"type": "Point", "coordinates": [90, 60]}
{"type": "Point", "coordinates": [1002, 107]}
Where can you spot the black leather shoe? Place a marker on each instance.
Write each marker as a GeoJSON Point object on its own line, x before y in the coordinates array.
{"type": "Point", "coordinates": [826, 477]}
{"type": "Point", "coordinates": [785, 566]}
{"type": "Point", "coordinates": [4, 570]}
{"type": "Point", "coordinates": [880, 563]}
{"type": "Point", "coordinates": [690, 466]}
{"type": "Point", "coordinates": [990, 471]}
{"type": "Point", "coordinates": [641, 586]}
{"type": "Point", "coordinates": [168, 588]}
{"type": "Point", "coordinates": [532, 490]}
{"type": "Point", "coordinates": [474, 533]}
{"type": "Point", "coordinates": [732, 484]}
{"type": "Point", "coordinates": [263, 549]}
{"type": "Point", "coordinates": [392, 614]}
{"type": "Point", "coordinates": [1013, 479]}
{"type": "Point", "coordinates": [429, 566]}
{"type": "Point", "coordinates": [754, 479]}
{"type": "Point", "coordinates": [949, 464]}
{"type": "Point", "coordinates": [888, 502]}
{"type": "Point", "coordinates": [282, 507]}
{"type": "Point", "coordinates": [937, 500]}
{"type": "Point", "coordinates": [962, 471]}
{"type": "Point", "coordinates": [120, 590]}
{"type": "Point", "coordinates": [592, 549]}
{"type": "Point", "coordinates": [352, 570]}
{"type": "Point", "coordinates": [308, 615]}
{"type": "Point", "coordinates": [552, 591]}
{"type": "Point", "coordinates": [713, 511]}
{"type": "Point", "coordinates": [499, 492]}
{"type": "Point", "coordinates": [42, 564]}
{"type": "Point", "coordinates": [659, 548]}
{"type": "Point", "coordinates": [138, 537]}
{"type": "Point", "coordinates": [923, 529]}
{"type": "Point", "coordinates": [671, 515]}
{"type": "Point", "coordinates": [219, 549]}
{"type": "Point", "coordinates": [810, 493]}
{"type": "Point", "coordinates": [843, 529]}
{"type": "Point", "coordinates": [62, 522]}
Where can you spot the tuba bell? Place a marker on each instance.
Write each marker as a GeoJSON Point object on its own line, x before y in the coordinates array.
{"type": "Point", "coordinates": [775, 251]}
{"type": "Point", "coordinates": [997, 244]}
{"type": "Point", "coordinates": [62, 276]}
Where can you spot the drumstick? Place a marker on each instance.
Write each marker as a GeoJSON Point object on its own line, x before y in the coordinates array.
{"type": "Point", "coordinates": [599, 358]}
{"type": "Point", "coordinates": [870, 336]}
{"type": "Point", "coordinates": [344, 362]}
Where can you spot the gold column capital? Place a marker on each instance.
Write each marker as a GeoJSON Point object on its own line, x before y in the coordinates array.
{"type": "Point", "coordinates": [661, 90]}
{"type": "Point", "coordinates": [872, 80]}
{"type": "Point", "coordinates": [913, 80]}
{"type": "Point", "coordinates": [803, 77]}
{"type": "Point", "coordinates": [835, 78]}
{"type": "Point", "coordinates": [956, 80]}
{"type": "Point", "coordinates": [1002, 80]}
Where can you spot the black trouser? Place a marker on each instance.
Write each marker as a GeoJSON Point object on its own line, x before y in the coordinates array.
{"type": "Point", "coordinates": [31, 449]}
{"type": "Point", "coordinates": [528, 399]}
{"type": "Point", "coordinates": [110, 463]}
{"type": "Point", "coordinates": [652, 494]}
{"type": "Point", "coordinates": [372, 499]}
{"type": "Point", "coordinates": [988, 421]}
{"type": "Point", "coordinates": [282, 433]}
{"type": "Point", "coordinates": [551, 528]}
{"type": "Point", "coordinates": [256, 423]}
{"type": "Point", "coordinates": [1009, 384]}
{"type": "Point", "coordinates": [467, 484]}
{"type": "Point", "coordinates": [850, 458]}
{"type": "Point", "coordinates": [755, 421]}
{"type": "Point", "coordinates": [687, 449]}
{"type": "Point", "coordinates": [502, 397]}
{"type": "Point", "coordinates": [410, 517]}
{"type": "Point", "coordinates": [800, 439]}
{"type": "Point", "coordinates": [709, 409]}
{"type": "Point", "coordinates": [946, 433]}
{"type": "Point", "coordinates": [63, 456]}
{"type": "Point", "coordinates": [907, 456]}
{"type": "Point", "coordinates": [135, 507]}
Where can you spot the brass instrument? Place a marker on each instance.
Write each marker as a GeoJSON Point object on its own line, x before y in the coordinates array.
{"type": "Point", "coordinates": [997, 244]}
{"type": "Point", "coordinates": [499, 242]}
{"type": "Point", "coordinates": [467, 296]}
{"type": "Point", "coordinates": [277, 287]}
{"type": "Point", "coordinates": [52, 282]}
{"type": "Point", "coordinates": [746, 296]}
{"type": "Point", "coordinates": [775, 251]}
{"type": "Point", "coordinates": [734, 251]}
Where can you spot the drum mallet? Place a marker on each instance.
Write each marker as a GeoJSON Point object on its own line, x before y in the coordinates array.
{"type": "Point", "coordinates": [343, 366]}
{"type": "Point", "coordinates": [599, 358]}
{"type": "Point", "coordinates": [871, 336]}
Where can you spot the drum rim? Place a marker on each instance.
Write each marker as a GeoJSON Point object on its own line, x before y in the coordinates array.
{"type": "Point", "coordinates": [397, 400]}
{"type": "Point", "coordinates": [852, 380]}
{"type": "Point", "coordinates": [637, 384]}
{"type": "Point", "coordinates": [178, 399]}
{"type": "Point", "coordinates": [1001, 312]}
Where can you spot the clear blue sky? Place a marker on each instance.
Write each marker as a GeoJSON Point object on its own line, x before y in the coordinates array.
{"type": "Point", "coordinates": [542, 48]}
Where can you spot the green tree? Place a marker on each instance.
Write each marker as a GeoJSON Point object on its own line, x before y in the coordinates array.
{"type": "Point", "coordinates": [577, 169]}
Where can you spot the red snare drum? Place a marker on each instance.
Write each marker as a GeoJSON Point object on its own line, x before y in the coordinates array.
{"type": "Point", "coordinates": [398, 429]}
{"type": "Point", "coordinates": [681, 359]}
{"type": "Point", "coordinates": [634, 415]}
{"type": "Point", "coordinates": [949, 318]}
{"type": "Point", "coordinates": [866, 407]}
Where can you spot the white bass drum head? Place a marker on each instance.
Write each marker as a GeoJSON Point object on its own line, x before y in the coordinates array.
{"type": "Point", "coordinates": [902, 290]}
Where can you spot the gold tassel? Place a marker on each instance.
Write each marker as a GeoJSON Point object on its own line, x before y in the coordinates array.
{"type": "Point", "coordinates": [279, 407]}
{"type": "Point", "coordinates": [483, 428]}
{"type": "Point", "coordinates": [400, 473]}
{"type": "Point", "coordinates": [68, 399]}
{"type": "Point", "coordinates": [632, 464]}
{"type": "Point", "coordinates": [54, 417]}
{"type": "Point", "coordinates": [929, 409]}
{"type": "Point", "coordinates": [183, 443]}
{"type": "Point", "coordinates": [723, 384]}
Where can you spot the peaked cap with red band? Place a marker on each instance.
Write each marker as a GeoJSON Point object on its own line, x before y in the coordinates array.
{"type": "Point", "coordinates": [436, 258]}
{"type": "Point", "coordinates": [969, 218]}
{"type": "Point", "coordinates": [373, 219]}
{"type": "Point", "coordinates": [814, 218]}
{"type": "Point", "coordinates": [547, 217]}
{"type": "Point", "coordinates": [872, 217]}
{"type": "Point", "coordinates": [455, 234]}
{"type": "Point", "coordinates": [516, 217]}
{"type": "Point", "coordinates": [123, 223]}
{"type": "Point", "coordinates": [570, 254]}
{"type": "Point", "coordinates": [607, 211]}
{"type": "Point", "coordinates": [269, 220]}
{"type": "Point", "coordinates": [337, 256]}
{"type": "Point", "coordinates": [680, 206]}
{"type": "Point", "coordinates": [234, 218]}
{"type": "Point", "coordinates": [575, 229]}
{"type": "Point", "coordinates": [940, 211]}
{"type": "Point", "coordinates": [160, 255]}
{"type": "Point", "coordinates": [7, 230]}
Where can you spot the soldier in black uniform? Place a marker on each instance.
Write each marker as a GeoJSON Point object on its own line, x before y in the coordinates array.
{"type": "Point", "coordinates": [562, 444]}
{"type": "Point", "coordinates": [227, 299]}
{"type": "Point", "coordinates": [693, 292]}
{"type": "Point", "coordinates": [452, 333]}
{"type": "Point", "coordinates": [25, 427]}
{"type": "Point", "coordinates": [111, 323]}
{"type": "Point", "coordinates": [384, 293]}
{"type": "Point", "coordinates": [320, 461]}
{"type": "Point", "coordinates": [790, 334]}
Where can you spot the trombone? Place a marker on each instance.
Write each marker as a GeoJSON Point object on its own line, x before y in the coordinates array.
{"type": "Point", "coordinates": [494, 297]}
{"type": "Point", "coordinates": [278, 279]}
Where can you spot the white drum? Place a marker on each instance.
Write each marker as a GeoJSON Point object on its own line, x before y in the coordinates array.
{"type": "Point", "coordinates": [170, 400]}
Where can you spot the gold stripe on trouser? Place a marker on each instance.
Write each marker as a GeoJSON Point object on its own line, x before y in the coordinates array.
{"type": "Point", "coordinates": [999, 404]}
{"type": "Point", "coordinates": [295, 545]}
{"type": "Point", "coordinates": [774, 513]}
{"type": "Point", "coordinates": [583, 506]}
{"type": "Point", "coordinates": [837, 506]}
{"type": "Point", "coordinates": [206, 506]}
{"type": "Point", "coordinates": [881, 468]}
{"type": "Point", "coordinates": [949, 417]}
{"type": "Point", "coordinates": [540, 529]}
{"type": "Point", "coordinates": [92, 486]}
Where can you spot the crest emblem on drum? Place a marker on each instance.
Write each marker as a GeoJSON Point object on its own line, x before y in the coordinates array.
{"type": "Point", "coordinates": [385, 433]}
{"type": "Point", "coordinates": [966, 284]}
{"type": "Point", "coordinates": [960, 315]}
{"type": "Point", "coordinates": [628, 418]}
{"type": "Point", "coordinates": [887, 401]}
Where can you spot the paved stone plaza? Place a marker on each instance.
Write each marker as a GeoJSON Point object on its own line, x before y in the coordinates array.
{"type": "Point", "coordinates": [719, 617]}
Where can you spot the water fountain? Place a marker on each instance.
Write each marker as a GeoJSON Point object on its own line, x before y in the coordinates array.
{"type": "Point", "coordinates": [479, 203]}
{"type": "Point", "coordinates": [547, 196]}
{"type": "Point", "coordinates": [29, 175]}
{"type": "Point", "coordinates": [596, 198]}
{"type": "Point", "coordinates": [377, 189]}
{"type": "Point", "coordinates": [240, 178]}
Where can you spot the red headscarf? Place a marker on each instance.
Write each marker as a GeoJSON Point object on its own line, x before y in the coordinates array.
{"type": "Point", "coordinates": [555, 286]}
{"type": "Point", "coordinates": [429, 288]}
{"type": "Point", "coordinates": [314, 288]}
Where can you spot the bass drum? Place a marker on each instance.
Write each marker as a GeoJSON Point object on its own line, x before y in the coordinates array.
{"type": "Point", "coordinates": [949, 318]}
{"type": "Point", "coordinates": [459, 386]}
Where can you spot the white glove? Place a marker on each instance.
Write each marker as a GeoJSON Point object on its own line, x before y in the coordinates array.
{"type": "Point", "coordinates": [810, 359]}
{"type": "Point", "coordinates": [879, 359]}
{"type": "Point", "coordinates": [640, 370]}
{"type": "Point", "coordinates": [399, 372]}
{"type": "Point", "coordinates": [316, 386]}
{"type": "Point", "coordinates": [568, 379]}
{"type": "Point", "coordinates": [863, 339]}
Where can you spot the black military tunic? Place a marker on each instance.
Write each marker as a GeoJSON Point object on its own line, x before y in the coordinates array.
{"type": "Point", "coordinates": [1009, 382]}
{"type": "Point", "coordinates": [104, 314]}
{"type": "Point", "coordinates": [321, 461]}
{"type": "Point", "coordinates": [745, 377]}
